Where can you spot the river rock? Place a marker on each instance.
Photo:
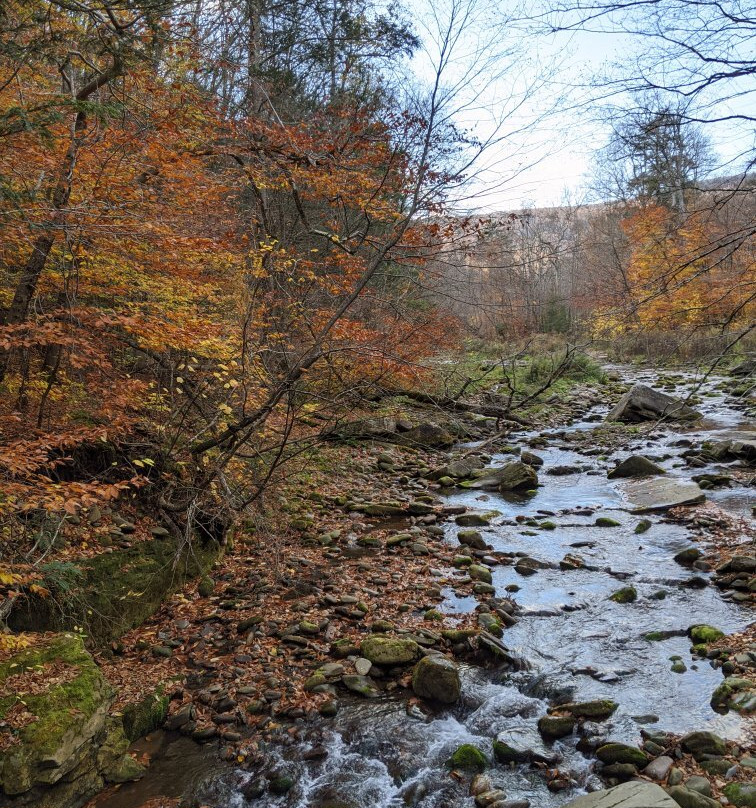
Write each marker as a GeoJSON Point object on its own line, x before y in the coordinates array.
{"type": "Point", "coordinates": [479, 573]}
{"type": "Point", "coordinates": [745, 368]}
{"type": "Point", "coordinates": [659, 768]}
{"type": "Point", "coordinates": [628, 594]}
{"type": "Point", "coordinates": [468, 758]}
{"type": "Point", "coordinates": [531, 459]}
{"type": "Point", "coordinates": [472, 538]}
{"type": "Point", "coordinates": [635, 466]}
{"type": "Point", "coordinates": [703, 634]}
{"type": "Point", "coordinates": [517, 476]}
{"type": "Point", "coordinates": [700, 744]}
{"type": "Point", "coordinates": [627, 795]}
{"type": "Point", "coordinates": [517, 747]}
{"type": "Point", "coordinates": [643, 403]}
{"type": "Point", "coordinates": [621, 753]}
{"type": "Point", "coordinates": [738, 563]}
{"type": "Point", "coordinates": [741, 794]}
{"type": "Point", "coordinates": [734, 694]}
{"type": "Point", "coordinates": [661, 494]}
{"type": "Point", "coordinates": [687, 556]}
{"type": "Point", "coordinates": [362, 685]}
{"type": "Point", "coordinates": [553, 727]}
{"type": "Point", "coordinates": [685, 798]}
{"type": "Point", "coordinates": [427, 435]}
{"type": "Point", "coordinates": [510, 477]}
{"type": "Point", "coordinates": [437, 677]}
{"type": "Point", "coordinates": [597, 710]}
{"type": "Point", "coordinates": [389, 650]}
{"type": "Point", "coordinates": [72, 747]}
{"type": "Point", "coordinates": [458, 469]}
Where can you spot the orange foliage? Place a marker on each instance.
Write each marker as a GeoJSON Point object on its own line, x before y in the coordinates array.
{"type": "Point", "coordinates": [685, 273]}
{"type": "Point", "coordinates": [195, 262]}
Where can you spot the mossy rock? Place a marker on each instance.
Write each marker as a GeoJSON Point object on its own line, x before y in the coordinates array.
{"type": "Point", "coordinates": [70, 723]}
{"type": "Point", "coordinates": [598, 710]}
{"type": "Point", "coordinates": [145, 716]}
{"type": "Point", "coordinates": [118, 590]}
{"type": "Point", "coordinates": [468, 758]}
{"type": "Point", "coordinates": [741, 794]}
{"type": "Point", "coordinates": [642, 526]}
{"type": "Point", "coordinates": [704, 634]}
{"type": "Point", "coordinates": [606, 521]}
{"type": "Point", "coordinates": [621, 753]}
{"type": "Point", "coordinates": [734, 694]}
{"type": "Point", "coordinates": [389, 650]}
{"type": "Point", "coordinates": [553, 727]}
{"type": "Point", "coordinates": [628, 594]}
{"type": "Point", "coordinates": [479, 573]}
{"type": "Point", "coordinates": [457, 635]}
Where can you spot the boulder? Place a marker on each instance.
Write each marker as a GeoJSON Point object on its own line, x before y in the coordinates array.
{"type": "Point", "coordinates": [427, 435]}
{"type": "Point", "coordinates": [70, 748]}
{"type": "Point", "coordinates": [517, 476]}
{"type": "Point", "coordinates": [655, 495]}
{"type": "Point", "coordinates": [621, 753]}
{"type": "Point", "coordinates": [628, 795]}
{"type": "Point", "coordinates": [700, 744]}
{"type": "Point", "coordinates": [389, 650]}
{"type": "Point", "coordinates": [635, 466]}
{"type": "Point", "coordinates": [553, 727]}
{"type": "Point", "coordinates": [598, 710]}
{"type": "Point", "coordinates": [687, 798]}
{"type": "Point", "coordinates": [701, 633]}
{"type": "Point", "coordinates": [468, 758]}
{"type": "Point", "coordinates": [437, 678]}
{"type": "Point", "coordinates": [643, 403]}
{"type": "Point", "coordinates": [472, 538]}
{"type": "Point", "coordinates": [458, 469]}
{"type": "Point", "coordinates": [510, 477]}
{"type": "Point", "coordinates": [745, 368]}
{"type": "Point", "coordinates": [531, 459]}
{"type": "Point", "coordinates": [365, 428]}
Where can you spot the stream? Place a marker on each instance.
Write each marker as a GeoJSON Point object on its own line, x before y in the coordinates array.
{"type": "Point", "coordinates": [577, 644]}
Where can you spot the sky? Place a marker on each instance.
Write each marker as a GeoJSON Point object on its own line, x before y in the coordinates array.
{"type": "Point", "coordinates": [557, 124]}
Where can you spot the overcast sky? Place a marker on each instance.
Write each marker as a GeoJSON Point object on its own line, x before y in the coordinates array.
{"type": "Point", "coordinates": [549, 160]}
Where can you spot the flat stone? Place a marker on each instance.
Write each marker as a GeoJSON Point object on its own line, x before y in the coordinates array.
{"type": "Point", "coordinates": [661, 494]}
{"type": "Point", "coordinates": [643, 403]}
{"type": "Point", "coordinates": [628, 795]}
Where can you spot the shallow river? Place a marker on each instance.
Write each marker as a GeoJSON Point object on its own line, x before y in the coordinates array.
{"type": "Point", "coordinates": [576, 641]}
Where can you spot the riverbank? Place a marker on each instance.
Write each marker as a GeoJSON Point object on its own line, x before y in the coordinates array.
{"type": "Point", "coordinates": [371, 550]}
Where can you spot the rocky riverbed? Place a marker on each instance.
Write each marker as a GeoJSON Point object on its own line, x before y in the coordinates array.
{"type": "Point", "coordinates": [613, 632]}
{"type": "Point", "coordinates": [501, 637]}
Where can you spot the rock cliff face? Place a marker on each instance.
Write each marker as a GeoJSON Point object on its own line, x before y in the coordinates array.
{"type": "Point", "coordinates": [60, 744]}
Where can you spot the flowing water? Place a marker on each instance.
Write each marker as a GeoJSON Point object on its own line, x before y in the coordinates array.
{"type": "Point", "coordinates": [576, 641]}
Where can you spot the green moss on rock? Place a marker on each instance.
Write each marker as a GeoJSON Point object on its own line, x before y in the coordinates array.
{"type": "Point", "coordinates": [468, 758]}
{"type": "Point", "coordinates": [628, 594]}
{"type": "Point", "coordinates": [389, 650]}
{"type": "Point", "coordinates": [704, 634]}
{"type": "Point", "coordinates": [741, 794]}
{"type": "Point", "coordinates": [145, 716]}
{"type": "Point", "coordinates": [118, 590]}
{"type": "Point", "coordinates": [71, 745]}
